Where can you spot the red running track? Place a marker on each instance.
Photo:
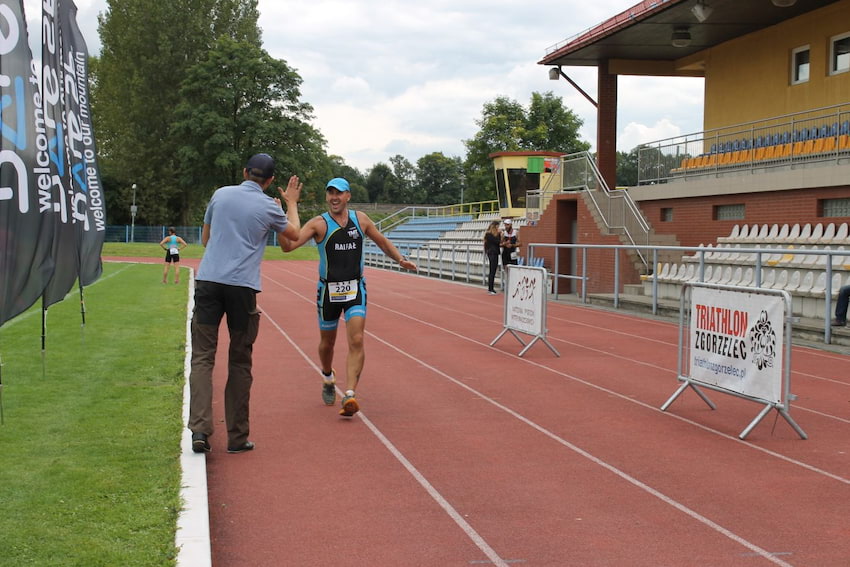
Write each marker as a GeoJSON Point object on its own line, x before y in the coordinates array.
{"type": "Point", "coordinates": [466, 454]}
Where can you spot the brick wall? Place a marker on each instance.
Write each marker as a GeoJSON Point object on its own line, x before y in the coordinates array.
{"type": "Point", "coordinates": [693, 222]}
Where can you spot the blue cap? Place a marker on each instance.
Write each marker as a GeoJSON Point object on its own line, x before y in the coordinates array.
{"type": "Point", "coordinates": [339, 184]}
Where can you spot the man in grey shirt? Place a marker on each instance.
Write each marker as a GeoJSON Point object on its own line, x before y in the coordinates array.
{"type": "Point", "coordinates": [237, 223]}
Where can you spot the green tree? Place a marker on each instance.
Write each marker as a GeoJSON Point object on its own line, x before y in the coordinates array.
{"type": "Point", "coordinates": [378, 181]}
{"type": "Point", "coordinates": [440, 178]}
{"type": "Point", "coordinates": [627, 168]}
{"type": "Point", "coordinates": [147, 47]}
{"type": "Point", "coordinates": [235, 102]}
{"type": "Point", "coordinates": [505, 125]}
{"type": "Point", "coordinates": [402, 186]}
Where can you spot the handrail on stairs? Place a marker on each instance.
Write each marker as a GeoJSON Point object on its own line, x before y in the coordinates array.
{"type": "Point", "coordinates": [618, 211]}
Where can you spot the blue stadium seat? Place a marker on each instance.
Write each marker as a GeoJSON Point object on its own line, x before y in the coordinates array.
{"type": "Point", "coordinates": [845, 128]}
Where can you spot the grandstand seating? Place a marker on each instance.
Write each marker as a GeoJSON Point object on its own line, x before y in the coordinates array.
{"type": "Point", "coordinates": [795, 266]}
{"type": "Point", "coordinates": [800, 143]}
{"type": "Point", "coordinates": [416, 230]}
{"type": "Point", "coordinates": [449, 250]}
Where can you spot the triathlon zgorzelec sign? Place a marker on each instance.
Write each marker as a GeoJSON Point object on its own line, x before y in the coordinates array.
{"type": "Point", "coordinates": [736, 342]}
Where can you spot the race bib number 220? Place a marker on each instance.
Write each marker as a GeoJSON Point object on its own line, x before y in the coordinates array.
{"type": "Point", "coordinates": [342, 291]}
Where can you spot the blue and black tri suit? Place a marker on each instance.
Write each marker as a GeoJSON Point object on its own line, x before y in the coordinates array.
{"type": "Point", "coordinates": [342, 287]}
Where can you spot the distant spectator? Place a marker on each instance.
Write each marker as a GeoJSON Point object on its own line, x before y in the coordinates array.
{"type": "Point", "coordinates": [492, 239]}
{"type": "Point", "coordinates": [510, 244]}
{"type": "Point", "coordinates": [841, 307]}
{"type": "Point", "coordinates": [172, 244]}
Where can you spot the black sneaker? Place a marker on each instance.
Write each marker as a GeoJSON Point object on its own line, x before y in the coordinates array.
{"type": "Point", "coordinates": [200, 443]}
{"type": "Point", "coordinates": [246, 446]}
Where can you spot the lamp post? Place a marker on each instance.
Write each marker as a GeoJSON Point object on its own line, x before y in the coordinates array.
{"type": "Point", "coordinates": [133, 210]}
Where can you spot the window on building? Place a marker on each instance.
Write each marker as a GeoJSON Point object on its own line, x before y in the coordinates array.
{"type": "Point", "coordinates": [729, 212]}
{"type": "Point", "coordinates": [833, 208]}
{"type": "Point", "coordinates": [839, 54]}
{"type": "Point", "coordinates": [800, 65]}
{"type": "Point", "coordinates": [666, 214]}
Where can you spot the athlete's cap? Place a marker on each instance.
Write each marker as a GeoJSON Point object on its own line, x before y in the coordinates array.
{"type": "Point", "coordinates": [508, 222]}
{"type": "Point", "coordinates": [261, 165]}
{"type": "Point", "coordinates": [339, 184]}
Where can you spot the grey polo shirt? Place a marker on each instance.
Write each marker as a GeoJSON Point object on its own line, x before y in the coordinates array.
{"type": "Point", "coordinates": [240, 219]}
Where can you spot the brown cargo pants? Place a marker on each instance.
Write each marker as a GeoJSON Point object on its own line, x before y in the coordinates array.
{"type": "Point", "coordinates": [212, 302]}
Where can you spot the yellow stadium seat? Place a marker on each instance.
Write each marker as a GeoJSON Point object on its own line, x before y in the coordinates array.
{"type": "Point", "coordinates": [770, 152]}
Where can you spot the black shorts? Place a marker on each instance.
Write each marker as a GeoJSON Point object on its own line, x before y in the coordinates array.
{"type": "Point", "coordinates": [169, 257]}
{"type": "Point", "coordinates": [330, 311]}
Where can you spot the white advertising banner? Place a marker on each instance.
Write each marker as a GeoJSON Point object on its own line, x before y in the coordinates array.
{"type": "Point", "coordinates": [525, 299]}
{"type": "Point", "coordinates": [736, 340]}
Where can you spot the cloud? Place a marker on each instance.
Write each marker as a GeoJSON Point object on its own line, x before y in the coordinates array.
{"type": "Point", "coordinates": [389, 77]}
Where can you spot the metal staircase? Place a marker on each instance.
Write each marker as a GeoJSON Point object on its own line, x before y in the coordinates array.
{"type": "Point", "coordinates": [615, 211]}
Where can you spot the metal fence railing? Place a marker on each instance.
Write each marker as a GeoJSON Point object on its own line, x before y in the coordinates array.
{"type": "Point", "coordinates": [619, 213]}
{"type": "Point", "coordinates": [466, 263]}
{"type": "Point", "coordinates": [821, 134]}
{"type": "Point", "coordinates": [154, 234]}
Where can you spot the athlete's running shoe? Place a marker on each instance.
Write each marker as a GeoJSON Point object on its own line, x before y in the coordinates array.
{"type": "Point", "coordinates": [328, 389]}
{"type": "Point", "coordinates": [349, 406]}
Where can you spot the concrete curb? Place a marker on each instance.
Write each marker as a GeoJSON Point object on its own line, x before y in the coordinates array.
{"type": "Point", "coordinates": [193, 524]}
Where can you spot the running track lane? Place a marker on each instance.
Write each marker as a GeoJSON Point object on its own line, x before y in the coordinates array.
{"type": "Point", "coordinates": [465, 454]}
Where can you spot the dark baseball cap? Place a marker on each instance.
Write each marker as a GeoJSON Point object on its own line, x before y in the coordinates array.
{"type": "Point", "coordinates": [261, 165]}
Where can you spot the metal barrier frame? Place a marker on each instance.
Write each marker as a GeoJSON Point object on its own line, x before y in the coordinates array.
{"type": "Point", "coordinates": [783, 406]}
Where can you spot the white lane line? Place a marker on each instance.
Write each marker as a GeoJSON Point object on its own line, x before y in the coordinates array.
{"type": "Point", "coordinates": [623, 475]}
{"type": "Point", "coordinates": [625, 398]}
{"type": "Point", "coordinates": [420, 478]}
{"type": "Point", "coordinates": [453, 513]}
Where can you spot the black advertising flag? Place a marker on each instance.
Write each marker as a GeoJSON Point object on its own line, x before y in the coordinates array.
{"type": "Point", "coordinates": [64, 213]}
{"type": "Point", "coordinates": [26, 233]}
{"type": "Point", "coordinates": [89, 202]}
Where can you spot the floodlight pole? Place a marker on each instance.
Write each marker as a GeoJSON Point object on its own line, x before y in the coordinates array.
{"type": "Point", "coordinates": [133, 210]}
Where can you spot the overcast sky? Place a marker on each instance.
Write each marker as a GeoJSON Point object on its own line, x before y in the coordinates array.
{"type": "Point", "coordinates": [403, 77]}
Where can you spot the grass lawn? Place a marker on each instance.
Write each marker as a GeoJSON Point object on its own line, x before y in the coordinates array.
{"type": "Point", "coordinates": [90, 443]}
{"type": "Point", "coordinates": [90, 446]}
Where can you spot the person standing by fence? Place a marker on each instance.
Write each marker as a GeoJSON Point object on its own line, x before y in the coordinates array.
{"type": "Point", "coordinates": [510, 244]}
{"type": "Point", "coordinates": [491, 251]}
{"type": "Point", "coordinates": [172, 244]}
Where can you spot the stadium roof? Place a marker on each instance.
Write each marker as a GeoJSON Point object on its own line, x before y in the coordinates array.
{"type": "Point", "coordinates": [643, 32]}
